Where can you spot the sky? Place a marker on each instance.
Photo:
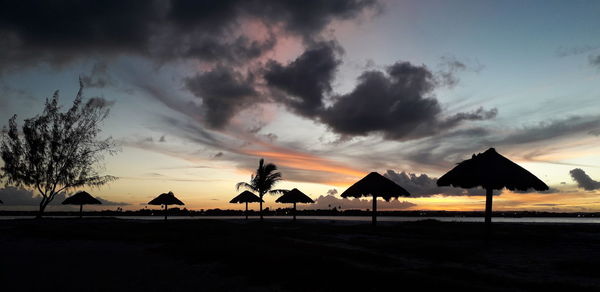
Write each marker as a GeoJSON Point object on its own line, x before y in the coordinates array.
{"type": "Point", "coordinates": [326, 90]}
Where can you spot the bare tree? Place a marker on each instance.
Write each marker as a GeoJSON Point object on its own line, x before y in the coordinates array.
{"type": "Point", "coordinates": [57, 151]}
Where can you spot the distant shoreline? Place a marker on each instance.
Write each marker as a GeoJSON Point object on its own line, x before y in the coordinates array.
{"type": "Point", "coordinates": [175, 212]}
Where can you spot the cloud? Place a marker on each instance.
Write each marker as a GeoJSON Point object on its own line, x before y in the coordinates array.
{"type": "Point", "coordinates": [548, 130]}
{"type": "Point", "coordinates": [398, 104]}
{"type": "Point", "coordinates": [595, 60]}
{"type": "Point", "coordinates": [224, 92]}
{"type": "Point", "coordinates": [307, 79]}
{"type": "Point", "coordinates": [583, 180]}
{"type": "Point", "coordinates": [106, 202]}
{"type": "Point", "coordinates": [332, 192]}
{"type": "Point", "coordinates": [12, 196]}
{"type": "Point", "coordinates": [575, 50]}
{"type": "Point", "coordinates": [330, 201]}
{"type": "Point", "coordinates": [98, 77]}
{"type": "Point", "coordinates": [424, 186]}
{"type": "Point", "coordinates": [59, 32]}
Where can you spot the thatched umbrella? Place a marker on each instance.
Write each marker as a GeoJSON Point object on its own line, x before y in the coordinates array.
{"type": "Point", "coordinates": [81, 198]}
{"type": "Point", "coordinates": [292, 197]}
{"type": "Point", "coordinates": [166, 199]}
{"type": "Point", "coordinates": [375, 185]}
{"type": "Point", "coordinates": [246, 197]}
{"type": "Point", "coordinates": [491, 171]}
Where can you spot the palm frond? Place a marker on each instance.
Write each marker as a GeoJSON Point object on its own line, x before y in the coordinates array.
{"type": "Point", "coordinates": [246, 185]}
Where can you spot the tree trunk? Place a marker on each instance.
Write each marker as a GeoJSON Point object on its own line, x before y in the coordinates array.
{"type": "Point", "coordinates": [260, 210]}
{"type": "Point", "coordinates": [294, 212]}
{"type": "Point", "coordinates": [489, 194]}
{"type": "Point", "coordinates": [374, 219]}
{"type": "Point", "coordinates": [246, 210]}
{"type": "Point", "coordinates": [81, 211]}
{"type": "Point", "coordinates": [43, 205]}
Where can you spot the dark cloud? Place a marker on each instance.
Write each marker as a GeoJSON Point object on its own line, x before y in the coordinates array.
{"type": "Point", "coordinates": [332, 192]}
{"type": "Point", "coordinates": [98, 77]}
{"type": "Point", "coordinates": [12, 196]}
{"type": "Point", "coordinates": [595, 61]}
{"type": "Point", "coordinates": [574, 50]}
{"type": "Point", "coordinates": [445, 149]}
{"type": "Point", "coordinates": [583, 180]}
{"type": "Point", "coordinates": [224, 92]}
{"type": "Point", "coordinates": [398, 104]}
{"type": "Point", "coordinates": [330, 201]}
{"type": "Point", "coordinates": [307, 79]}
{"type": "Point", "coordinates": [106, 202]}
{"type": "Point", "coordinates": [450, 67]}
{"type": "Point", "coordinates": [61, 31]}
{"type": "Point", "coordinates": [548, 130]}
{"type": "Point", "coordinates": [424, 186]}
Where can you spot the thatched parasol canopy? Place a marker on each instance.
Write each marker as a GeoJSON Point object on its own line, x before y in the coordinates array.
{"type": "Point", "coordinates": [246, 197]}
{"type": "Point", "coordinates": [491, 171]}
{"type": "Point", "coordinates": [166, 199]}
{"type": "Point", "coordinates": [81, 198]}
{"type": "Point", "coordinates": [294, 196]}
{"type": "Point", "coordinates": [375, 185]}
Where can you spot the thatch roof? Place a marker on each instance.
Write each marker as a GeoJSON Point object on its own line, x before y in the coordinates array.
{"type": "Point", "coordinates": [375, 184]}
{"type": "Point", "coordinates": [491, 170]}
{"type": "Point", "coordinates": [166, 199]}
{"type": "Point", "coordinates": [81, 198]}
{"type": "Point", "coordinates": [246, 197]}
{"type": "Point", "coordinates": [294, 196]}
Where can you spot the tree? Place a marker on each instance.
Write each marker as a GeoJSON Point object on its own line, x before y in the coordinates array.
{"type": "Point", "coordinates": [57, 151]}
{"type": "Point", "coordinates": [262, 181]}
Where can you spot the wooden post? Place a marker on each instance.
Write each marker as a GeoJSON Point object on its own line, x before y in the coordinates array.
{"type": "Point", "coordinates": [166, 206]}
{"type": "Point", "coordinates": [294, 211]}
{"type": "Point", "coordinates": [374, 220]}
{"type": "Point", "coordinates": [246, 210]}
{"type": "Point", "coordinates": [489, 195]}
{"type": "Point", "coordinates": [80, 211]}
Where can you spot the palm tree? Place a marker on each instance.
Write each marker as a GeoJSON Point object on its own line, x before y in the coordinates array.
{"type": "Point", "coordinates": [262, 181]}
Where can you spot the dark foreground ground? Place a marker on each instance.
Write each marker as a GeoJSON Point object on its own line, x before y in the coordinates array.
{"type": "Point", "coordinates": [219, 255]}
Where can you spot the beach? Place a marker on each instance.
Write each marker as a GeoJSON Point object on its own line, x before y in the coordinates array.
{"type": "Point", "coordinates": [276, 255]}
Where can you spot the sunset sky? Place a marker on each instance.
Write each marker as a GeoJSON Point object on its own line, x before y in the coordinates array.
{"type": "Point", "coordinates": [328, 91]}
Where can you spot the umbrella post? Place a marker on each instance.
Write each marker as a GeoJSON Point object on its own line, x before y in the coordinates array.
{"type": "Point", "coordinates": [80, 211]}
{"type": "Point", "coordinates": [246, 210]}
{"type": "Point", "coordinates": [166, 206]}
{"type": "Point", "coordinates": [374, 219]}
{"type": "Point", "coordinates": [489, 195]}
{"type": "Point", "coordinates": [294, 211]}
{"type": "Point", "coordinates": [260, 210]}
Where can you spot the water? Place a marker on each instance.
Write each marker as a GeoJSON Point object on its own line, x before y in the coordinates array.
{"type": "Point", "coordinates": [588, 220]}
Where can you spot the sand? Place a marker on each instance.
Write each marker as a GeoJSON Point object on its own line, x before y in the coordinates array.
{"type": "Point", "coordinates": [233, 255]}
